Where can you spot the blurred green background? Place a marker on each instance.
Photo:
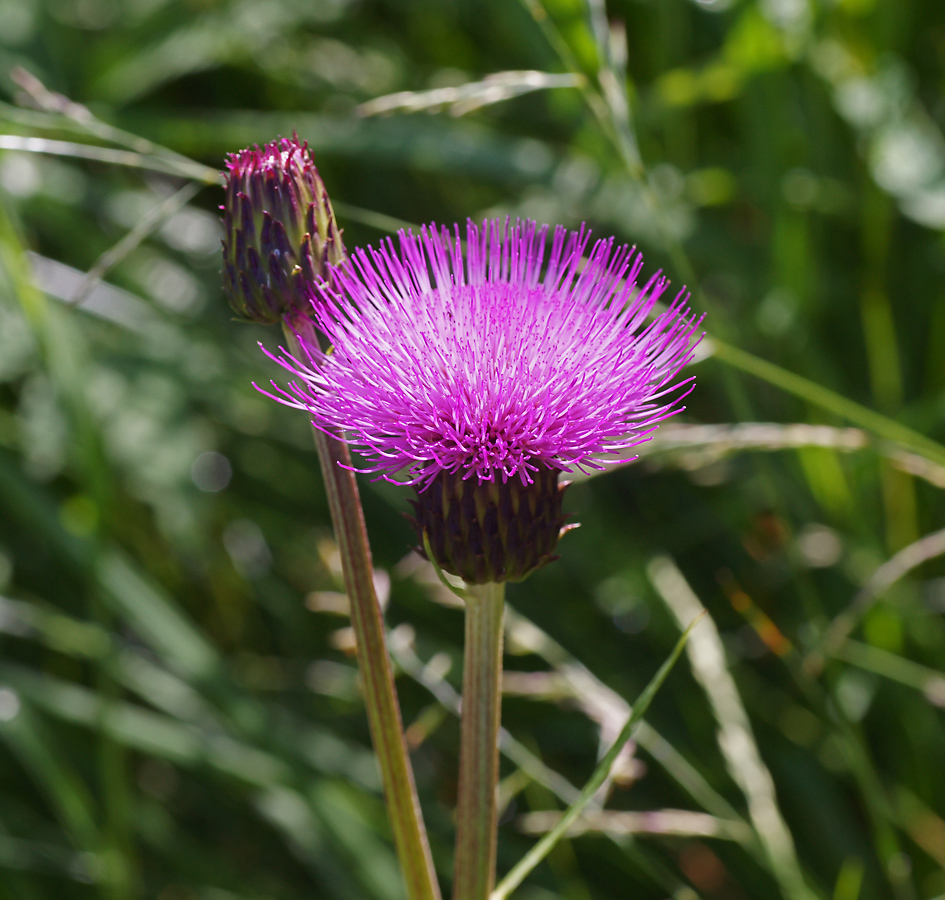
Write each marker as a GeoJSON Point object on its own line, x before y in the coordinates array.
{"type": "Point", "coordinates": [179, 710]}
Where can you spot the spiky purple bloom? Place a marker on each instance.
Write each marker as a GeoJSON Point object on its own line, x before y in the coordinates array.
{"type": "Point", "coordinates": [494, 369]}
{"type": "Point", "coordinates": [279, 231]}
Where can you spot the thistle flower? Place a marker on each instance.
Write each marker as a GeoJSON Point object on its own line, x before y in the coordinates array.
{"type": "Point", "coordinates": [482, 379]}
{"type": "Point", "coordinates": [279, 231]}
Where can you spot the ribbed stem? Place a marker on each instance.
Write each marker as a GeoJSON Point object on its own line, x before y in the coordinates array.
{"type": "Point", "coordinates": [477, 821]}
{"type": "Point", "coordinates": [380, 693]}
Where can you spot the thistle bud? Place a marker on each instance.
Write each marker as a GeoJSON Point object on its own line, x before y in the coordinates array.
{"type": "Point", "coordinates": [491, 530]}
{"type": "Point", "coordinates": [280, 231]}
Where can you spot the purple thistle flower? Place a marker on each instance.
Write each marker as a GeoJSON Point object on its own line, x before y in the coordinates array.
{"type": "Point", "coordinates": [482, 376]}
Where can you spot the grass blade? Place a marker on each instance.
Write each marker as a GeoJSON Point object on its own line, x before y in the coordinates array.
{"type": "Point", "coordinates": [735, 738]}
{"type": "Point", "coordinates": [826, 399]}
{"type": "Point", "coordinates": [545, 845]}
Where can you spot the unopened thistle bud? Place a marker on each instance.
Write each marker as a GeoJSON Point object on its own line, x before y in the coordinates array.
{"type": "Point", "coordinates": [279, 231]}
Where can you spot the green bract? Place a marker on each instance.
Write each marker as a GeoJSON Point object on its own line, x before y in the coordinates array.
{"type": "Point", "coordinates": [280, 231]}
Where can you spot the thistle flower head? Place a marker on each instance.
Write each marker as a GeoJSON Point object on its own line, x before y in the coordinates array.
{"type": "Point", "coordinates": [279, 231]}
{"type": "Point", "coordinates": [495, 368]}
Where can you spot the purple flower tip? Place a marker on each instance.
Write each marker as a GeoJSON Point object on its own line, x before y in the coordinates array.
{"type": "Point", "coordinates": [493, 364]}
{"type": "Point", "coordinates": [278, 159]}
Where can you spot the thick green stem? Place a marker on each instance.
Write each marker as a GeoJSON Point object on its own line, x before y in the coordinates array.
{"type": "Point", "coordinates": [380, 693]}
{"type": "Point", "coordinates": [477, 819]}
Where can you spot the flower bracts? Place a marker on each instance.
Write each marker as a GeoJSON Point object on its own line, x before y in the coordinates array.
{"type": "Point", "coordinates": [279, 231]}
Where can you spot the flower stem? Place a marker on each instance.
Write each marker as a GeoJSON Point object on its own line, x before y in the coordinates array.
{"type": "Point", "coordinates": [380, 693]}
{"type": "Point", "coordinates": [477, 820]}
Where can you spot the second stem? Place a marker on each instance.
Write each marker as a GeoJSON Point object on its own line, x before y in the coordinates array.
{"type": "Point", "coordinates": [477, 815]}
{"type": "Point", "coordinates": [380, 693]}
